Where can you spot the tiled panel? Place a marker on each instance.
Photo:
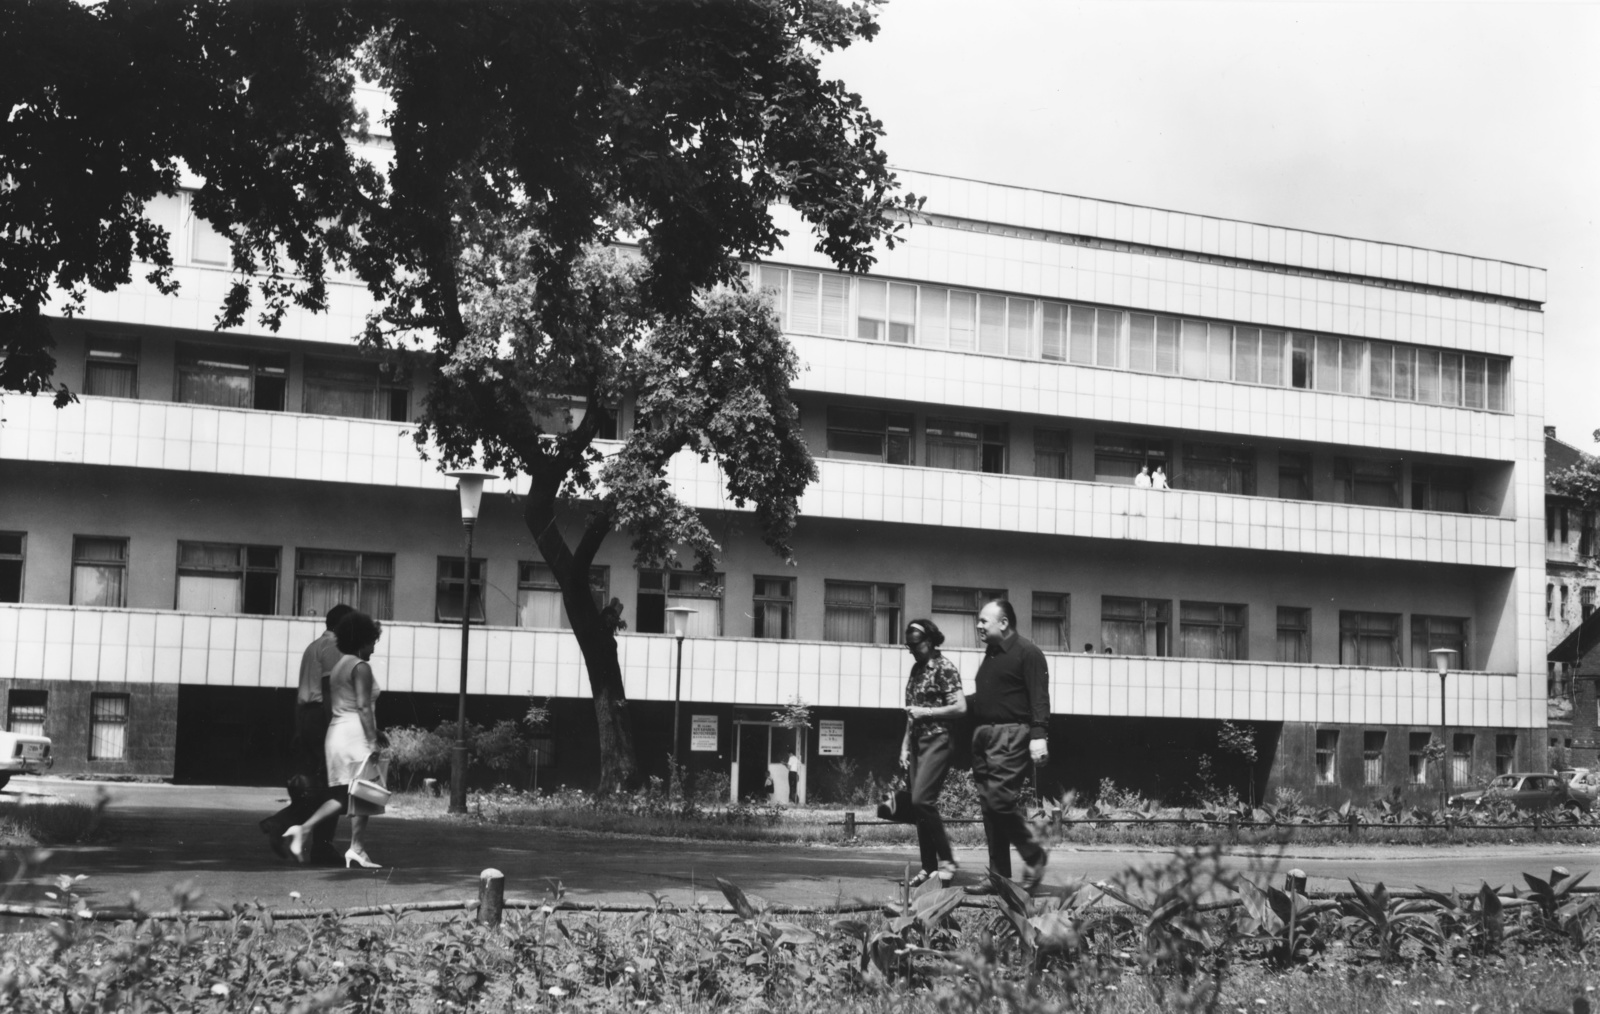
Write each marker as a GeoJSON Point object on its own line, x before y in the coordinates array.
{"type": "Point", "coordinates": [257, 651]}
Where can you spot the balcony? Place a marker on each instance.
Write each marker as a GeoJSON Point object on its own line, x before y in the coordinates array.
{"type": "Point", "coordinates": [140, 646]}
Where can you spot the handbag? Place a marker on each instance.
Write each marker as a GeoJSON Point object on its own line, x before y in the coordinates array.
{"type": "Point", "coordinates": [369, 795]}
{"type": "Point", "coordinates": [897, 808]}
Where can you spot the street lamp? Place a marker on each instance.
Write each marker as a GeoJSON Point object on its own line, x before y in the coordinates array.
{"type": "Point", "coordinates": [680, 626]}
{"type": "Point", "coordinates": [1441, 662]}
{"type": "Point", "coordinates": [469, 483]}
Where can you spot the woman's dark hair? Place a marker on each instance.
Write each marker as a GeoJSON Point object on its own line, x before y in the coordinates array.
{"type": "Point", "coordinates": [356, 630]}
{"type": "Point", "coordinates": [930, 631]}
{"type": "Point", "coordinates": [336, 614]}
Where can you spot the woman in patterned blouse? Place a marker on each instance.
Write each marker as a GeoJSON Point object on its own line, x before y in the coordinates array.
{"type": "Point", "coordinates": [934, 699]}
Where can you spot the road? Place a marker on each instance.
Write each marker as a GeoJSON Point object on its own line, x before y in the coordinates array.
{"type": "Point", "coordinates": [162, 835]}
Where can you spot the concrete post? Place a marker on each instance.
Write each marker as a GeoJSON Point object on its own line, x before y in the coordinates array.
{"type": "Point", "coordinates": [491, 896]}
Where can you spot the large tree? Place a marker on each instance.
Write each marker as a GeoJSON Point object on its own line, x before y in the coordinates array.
{"type": "Point", "coordinates": [527, 142]}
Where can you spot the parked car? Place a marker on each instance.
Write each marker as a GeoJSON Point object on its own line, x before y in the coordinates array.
{"type": "Point", "coordinates": [1582, 781]}
{"type": "Point", "coordinates": [1528, 790]}
{"type": "Point", "coordinates": [23, 754]}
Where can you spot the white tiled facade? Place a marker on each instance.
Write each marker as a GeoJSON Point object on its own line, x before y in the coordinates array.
{"type": "Point", "coordinates": [1023, 245]}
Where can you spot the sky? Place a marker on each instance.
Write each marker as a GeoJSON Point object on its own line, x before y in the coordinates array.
{"type": "Point", "coordinates": [1467, 127]}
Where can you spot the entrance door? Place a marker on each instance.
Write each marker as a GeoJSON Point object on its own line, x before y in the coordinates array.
{"type": "Point", "coordinates": [753, 751]}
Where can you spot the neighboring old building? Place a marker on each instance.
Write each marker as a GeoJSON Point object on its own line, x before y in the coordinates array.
{"type": "Point", "coordinates": [1351, 429]}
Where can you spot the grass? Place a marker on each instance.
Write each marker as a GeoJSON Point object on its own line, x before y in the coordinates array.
{"type": "Point", "coordinates": [33, 821]}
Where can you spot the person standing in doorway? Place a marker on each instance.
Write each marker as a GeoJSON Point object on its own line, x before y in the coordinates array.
{"type": "Point", "coordinates": [934, 701]}
{"type": "Point", "coordinates": [1142, 480]}
{"type": "Point", "coordinates": [1159, 479]}
{"type": "Point", "coordinates": [1011, 721]}
{"type": "Point", "coordinates": [793, 764]}
{"type": "Point", "coordinates": [308, 780]}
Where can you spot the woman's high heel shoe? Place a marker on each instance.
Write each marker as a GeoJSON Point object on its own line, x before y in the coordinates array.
{"type": "Point", "coordinates": [297, 842]}
{"type": "Point", "coordinates": [355, 857]}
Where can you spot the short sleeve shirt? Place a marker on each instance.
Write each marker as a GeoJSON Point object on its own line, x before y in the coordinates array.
{"type": "Point", "coordinates": [934, 685]}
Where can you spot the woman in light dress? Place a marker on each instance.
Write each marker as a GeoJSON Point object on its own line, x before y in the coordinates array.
{"type": "Point", "coordinates": [353, 736]}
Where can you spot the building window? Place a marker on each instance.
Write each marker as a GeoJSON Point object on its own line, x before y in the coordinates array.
{"type": "Point", "coordinates": [1430, 632]}
{"type": "Point", "coordinates": [1370, 639]}
{"type": "Point", "coordinates": [1135, 626]}
{"type": "Point", "coordinates": [111, 368]}
{"type": "Point", "coordinates": [1294, 475]}
{"type": "Point", "coordinates": [1084, 335]}
{"type": "Point", "coordinates": [966, 445]}
{"type": "Point", "coordinates": [99, 571]}
{"type": "Point", "coordinates": [448, 588]}
{"type": "Point", "coordinates": [232, 377]}
{"type": "Point", "coordinates": [25, 711]}
{"type": "Point", "coordinates": [108, 726]}
{"type": "Point", "coordinates": [1372, 744]}
{"type": "Point", "coordinates": [1341, 365]}
{"type": "Point", "coordinates": [1461, 758]}
{"type": "Point", "coordinates": [886, 311]}
{"type": "Point", "coordinates": [1302, 362]}
{"type": "Point", "coordinates": [1367, 482]}
{"type": "Point", "coordinates": [1118, 458]}
{"type": "Point", "coordinates": [1436, 488]}
{"type": "Point", "coordinates": [324, 578]}
{"type": "Point", "coordinates": [861, 612]}
{"type": "Point", "coordinates": [355, 390]}
{"type": "Point", "coordinates": [1327, 757]}
{"type": "Point", "coordinates": [216, 577]}
{"type": "Point", "coordinates": [1052, 454]}
{"type": "Point", "coordinates": [1549, 601]}
{"type": "Point", "coordinates": [819, 303]}
{"type": "Point", "coordinates": [774, 284]}
{"type": "Point", "coordinates": [864, 434]}
{"type": "Point", "coordinates": [1585, 599]}
{"type": "Point", "coordinates": [539, 602]}
{"type": "Point", "coordinates": [1505, 752]}
{"type": "Point", "coordinates": [774, 608]}
{"type": "Point", "coordinates": [1566, 598]}
{"type": "Point", "coordinates": [1294, 634]}
{"type": "Point", "coordinates": [949, 318]}
{"type": "Point", "coordinates": [1417, 757]}
{"type": "Point", "coordinates": [701, 592]}
{"type": "Point", "coordinates": [1052, 621]}
{"type": "Point", "coordinates": [955, 610]}
{"type": "Point", "coordinates": [1211, 630]}
{"type": "Point", "coordinates": [11, 553]}
{"type": "Point", "coordinates": [207, 245]}
{"type": "Point", "coordinates": [1258, 356]}
{"type": "Point", "coordinates": [1219, 468]}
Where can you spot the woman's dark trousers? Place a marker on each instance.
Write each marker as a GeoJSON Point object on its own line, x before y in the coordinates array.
{"type": "Point", "coordinates": [930, 762]}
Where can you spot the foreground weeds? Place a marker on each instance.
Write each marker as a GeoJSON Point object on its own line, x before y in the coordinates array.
{"type": "Point", "coordinates": [1185, 936]}
{"type": "Point", "coordinates": [36, 820]}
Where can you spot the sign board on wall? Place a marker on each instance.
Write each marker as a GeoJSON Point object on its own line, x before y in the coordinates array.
{"type": "Point", "coordinates": [703, 733]}
{"type": "Point", "coordinates": [830, 738]}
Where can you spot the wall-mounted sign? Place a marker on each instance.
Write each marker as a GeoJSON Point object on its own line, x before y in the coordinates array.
{"type": "Point", "coordinates": [703, 733]}
{"type": "Point", "coordinates": [830, 738]}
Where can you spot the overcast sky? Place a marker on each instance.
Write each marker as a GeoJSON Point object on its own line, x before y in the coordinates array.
{"type": "Point", "coordinates": [1472, 128]}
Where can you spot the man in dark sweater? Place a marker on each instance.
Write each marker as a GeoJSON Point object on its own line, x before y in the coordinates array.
{"type": "Point", "coordinates": [1010, 715]}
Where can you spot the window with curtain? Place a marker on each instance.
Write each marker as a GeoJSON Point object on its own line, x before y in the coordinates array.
{"type": "Point", "coordinates": [25, 711]}
{"type": "Point", "coordinates": [1441, 488]}
{"type": "Point", "coordinates": [1428, 376]}
{"type": "Point", "coordinates": [861, 612]}
{"type": "Point", "coordinates": [1294, 475]}
{"type": "Point", "coordinates": [966, 445]}
{"type": "Point", "coordinates": [1153, 343]}
{"type": "Point", "coordinates": [11, 555]}
{"type": "Point", "coordinates": [1219, 468]}
{"type": "Point", "coordinates": [1327, 757]}
{"type": "Point", "coordinates": [1085, 335]}
{"type": "Point", "coordinates": [865, 434]}
{"type": "Point", "coordinates": [448, 588]}
{"type": "Point", "coordinates": [1135, 626]}
{"type": "Point", "coordinates": [1212, 630]}
{"type": "Point", "coordinates": [659, 590]}
{"type": "Point", "coordinates": [886, 311]}
{"type": "Point", "coordinates": [219, 577]}
{"type": "Point", "coordinates": [1461, 746]}
{"type": "Point", "coordinates": [1417, 757]}
{"type": "Point", "coordinates": [774, 608]}
{"type": "Point", "coordinates": [324, 578]}
{"type": "Point", "coordinates": [1118, 457]}
{"type": "Point", "coordinates": [1430, 632]}
{"type": "Point", "coordinates": [539, 602]}
{"type": "Point", "coordinates": [1051, 627]}
{"type": "Point", "coordinates": [1367, 482]}
{"type": "Point", "coordinates": [955, 610]}
{"type": "Point", "coordinates": [819, 303]}
{"type": "Point", "coordinates": [774, 283]}
{"type": "Point", "coordinates": [207, 244]}
{"type": "Point", "coordinates": [232, 377]}
{"type": "Point", "coordinates": [99, 571]}
{"type": "Point", "coordinates": [1372, 747]}
{"type": "Point", "coordinates": [1294, 634]}
{"type": "Point", "coordinates": [1258, 356]}
{"type": "Point", "coordinates": [111, 367]}
{"type": "Point", "coordinates": [1505, 752]}
{"type": "Point", "coordinates": [108, 726]}
{"type": "Point", "coordinates": [1302, 361]}
{"type": "Point", "coordinates": [1370, 639]}
{"type": "Point", "coordinates": [353, 389]}
{"type": "Point", "coordinates": [1052, 453]}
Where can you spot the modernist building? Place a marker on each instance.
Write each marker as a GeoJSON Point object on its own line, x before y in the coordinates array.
{"type": "Point", "coordinates": [1351, 430]}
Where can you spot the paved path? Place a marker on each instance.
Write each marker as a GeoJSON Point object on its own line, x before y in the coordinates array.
{"type": "Point", "coordinates": [163, 835]}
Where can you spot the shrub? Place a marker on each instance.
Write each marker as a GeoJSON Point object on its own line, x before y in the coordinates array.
{"type": "Point", "coordinates": [416, 753]}
{"type": "Point", "coordinates": [711, 788]}
{"type": "Point", "coordinates": [499, 748]}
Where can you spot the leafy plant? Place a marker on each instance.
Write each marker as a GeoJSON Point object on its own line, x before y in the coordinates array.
{"type": "Point", "coordinates": [1387, 926]}
{"type": "Point", "coordinates": [1286, 924]}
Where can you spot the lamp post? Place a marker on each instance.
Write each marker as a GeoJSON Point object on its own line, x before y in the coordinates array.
{"type": "Point", "coordinates": [1441, 662]}
{"type": "Point", "coordinates": [680, 626]}
{"type": "Point", "coordinates": [469, 484]}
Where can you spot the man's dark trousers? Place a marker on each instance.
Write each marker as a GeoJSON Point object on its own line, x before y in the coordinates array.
{"type": "Point", "coordinates": [308, 783]}
{"type": "Point", "coordinates": [1000, 765]}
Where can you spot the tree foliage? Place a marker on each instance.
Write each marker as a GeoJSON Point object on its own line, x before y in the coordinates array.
{"type": "Point", "coordinates": [1580, 480]}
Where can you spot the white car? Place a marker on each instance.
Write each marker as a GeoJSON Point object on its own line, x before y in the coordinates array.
{"type": "Point", "coordinates": [23, 754]}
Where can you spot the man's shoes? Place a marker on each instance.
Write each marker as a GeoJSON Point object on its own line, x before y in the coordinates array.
{"type": "Point", "coordinates": [1033, 873]}
{"type": "Point", "coordinates": [275, 839]}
